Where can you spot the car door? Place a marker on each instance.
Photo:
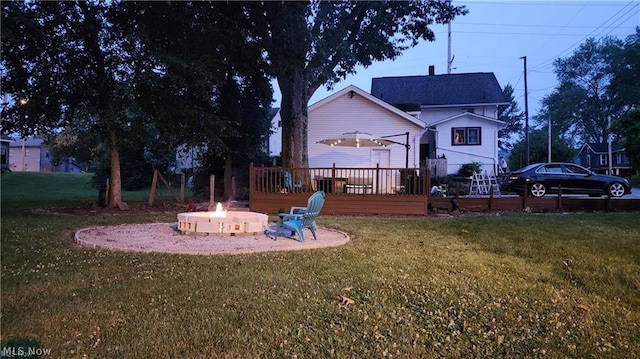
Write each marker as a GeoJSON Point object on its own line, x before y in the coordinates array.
{"type": "Point", "coordinates": [580, 180]}
{"type": "Point", "coordinates": [551, 175]}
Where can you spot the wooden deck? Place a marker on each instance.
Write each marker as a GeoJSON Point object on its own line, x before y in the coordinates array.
{"type": "Point", "coordinates": [393, 192]}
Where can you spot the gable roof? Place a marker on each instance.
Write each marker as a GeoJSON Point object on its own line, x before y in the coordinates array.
{"type": "Point", "coordinates": [440, 90]}
{"type": "Point", "coordinates": [469, 114]}
{"type": "Point", "coordinates": [602, 147]}
{"type": "Point", "coordinates": [372, 99]}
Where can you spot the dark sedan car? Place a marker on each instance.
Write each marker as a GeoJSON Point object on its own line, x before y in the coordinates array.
{"type": "Point", "coordinates": [543, 178]}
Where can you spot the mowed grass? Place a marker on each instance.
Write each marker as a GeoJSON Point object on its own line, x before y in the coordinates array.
{"type": "Point", "coordinates": [478, 286]}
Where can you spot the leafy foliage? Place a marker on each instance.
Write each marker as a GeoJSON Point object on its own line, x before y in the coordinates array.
{"type": "Point", "coordinates": [316, 43]}
{"type": "Point", "coordinates": [468, 169]}
{"type": "Point", "coordinates": [561, 149]}
{"type": "Point", "coordinates": [629, 126]}
{"type": "Point", "coordinates": [596, 88]}
{"type": "Point", "coordinates": [513, 117]}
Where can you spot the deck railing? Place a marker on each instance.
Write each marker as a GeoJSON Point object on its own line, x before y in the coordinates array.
{"type": "Point", "coordinates": [340, 180]}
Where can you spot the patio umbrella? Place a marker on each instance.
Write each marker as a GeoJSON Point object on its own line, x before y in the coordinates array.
{"type": "Point", "coordinates": [363, 139]}
{"type": "Point", "coordinates": [357, 139]}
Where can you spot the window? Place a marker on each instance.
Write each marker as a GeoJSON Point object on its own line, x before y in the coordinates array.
{"type": "Point", "coordinates": [554, 168]}
{"type": "Point", "coordinates": [466, 136]}
{"type": "Point", "coordinates": [603, 160]}
{"type": "Point", "coordinates": [576, 169]}
{"type": "Point", "coordinates": [588, 160]}
{"type": "Point", "coordinates": [618, 157]}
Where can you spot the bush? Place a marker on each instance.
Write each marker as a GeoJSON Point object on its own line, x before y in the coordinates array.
{"type": "Point", "coordinates": [467, 169]}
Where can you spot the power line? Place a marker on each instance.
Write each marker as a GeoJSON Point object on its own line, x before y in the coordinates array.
{"type": "Point", "coordinates": [541, 26]}
{"type": "Point", "coordinates": [551, 59]}
{"type": "Point", "coordinates": [545, 3]}
{"type": "Point", "coordinates": [518, 33]}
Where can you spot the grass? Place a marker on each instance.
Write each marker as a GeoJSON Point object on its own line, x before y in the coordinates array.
{"type": "Point", "coordinates": [480, 286]}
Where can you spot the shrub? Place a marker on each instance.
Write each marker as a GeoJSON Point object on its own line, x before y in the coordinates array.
{"type": "Point", "coordinates": [467, 169]}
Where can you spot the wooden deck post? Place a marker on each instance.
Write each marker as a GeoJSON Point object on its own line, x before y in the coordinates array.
{"type": "Point", "coordinates": [212, 188]}
{"type": "Point", "coordinates": [377, 178]}
{"type": "Point", "coordinates": [154, 184]}
{"type": "Point", "coordinates": [490, 197]}
{"type": "Point", "coordinates": [560, 197]}
{"type": "Point", "coordinates": [182, 185]}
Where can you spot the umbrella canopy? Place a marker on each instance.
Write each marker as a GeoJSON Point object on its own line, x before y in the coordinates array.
{"type": "Point", "coordinates": [357, 139]}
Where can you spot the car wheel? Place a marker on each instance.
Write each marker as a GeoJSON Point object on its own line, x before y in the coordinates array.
{"type": "Point", "coordinates": [538, 189]}
{"type": "Point", "coordinates": [616, 189]}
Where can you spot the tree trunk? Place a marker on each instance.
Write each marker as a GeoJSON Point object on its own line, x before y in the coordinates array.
{"type": "Point", "coordinates": [293, 112]}
{"type": "Point", "coordinates": [115, 183]}
{"type": "Point", "coordinates": [229, 188]}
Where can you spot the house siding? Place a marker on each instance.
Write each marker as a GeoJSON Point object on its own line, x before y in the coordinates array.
{"type": "Point", "coordinates": [275, 138]}
{"type": "Point", "coordinates": [348, 113]}
{"type": "Point", "coordinates": [486, 153]}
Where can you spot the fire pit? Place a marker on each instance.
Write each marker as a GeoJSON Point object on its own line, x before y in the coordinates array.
{"type": "Point", "coordinates": [221, 221]}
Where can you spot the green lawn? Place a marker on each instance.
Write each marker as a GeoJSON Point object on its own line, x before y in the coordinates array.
{"type": "Point", "coordinates": [479, 286]}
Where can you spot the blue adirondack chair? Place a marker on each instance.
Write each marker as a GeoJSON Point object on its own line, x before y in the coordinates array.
{"type": "Point", "coordinates": [300, 218]}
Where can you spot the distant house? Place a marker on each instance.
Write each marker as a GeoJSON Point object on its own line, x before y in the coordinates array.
{"type": "Point", "coordinates": [28, 155]}
{"type": "Point", "coordinates": [459, 110]}
{"type": "Point", "coordinates": [32, 155]}
{"type": "Point", "coordinates": [595, 156]}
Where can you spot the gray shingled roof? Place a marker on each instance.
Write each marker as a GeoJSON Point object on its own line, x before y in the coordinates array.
{"type": "Point", "coordinates": [603, 147]}
{"type": "Point", "coordinates": [438, 90]}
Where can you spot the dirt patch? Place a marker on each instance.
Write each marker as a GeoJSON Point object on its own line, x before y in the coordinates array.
{"type": "Point", "coordinates": [161, 237]}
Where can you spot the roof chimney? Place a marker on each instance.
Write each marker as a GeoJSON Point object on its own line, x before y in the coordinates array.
{"type": "Point", "coordinates": [432, 70]}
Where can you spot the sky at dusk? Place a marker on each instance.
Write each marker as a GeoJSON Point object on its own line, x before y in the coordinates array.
{"type": "Point", "coordinates": [494, 37]}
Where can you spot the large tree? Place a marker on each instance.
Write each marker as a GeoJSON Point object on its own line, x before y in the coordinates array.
{"type": "Point", "coordinates": [629, 126]}
{"type": "Point", "coordinates": [74, 67]}
{"type": "Point", "coordinates": [317, 43]}
{"type": "Point", "coordinates": [585, 103]}
{"type": "Point", "coordinates": [152, 74]}
{"type": "Point", "coordinates": [210, 89]}
{"type": "Point", "coordinates": [513, 118]}
{"type": "Point", "coordinates": [624, 64]}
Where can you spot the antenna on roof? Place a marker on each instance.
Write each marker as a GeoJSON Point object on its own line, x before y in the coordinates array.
{"type": "Point", "coordinates": [449, 58]}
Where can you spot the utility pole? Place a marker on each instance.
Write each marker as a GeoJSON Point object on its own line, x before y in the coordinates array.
{"type": "Point", "coordinates": [549, 147]}
{"type": "Point", "coordinates": [609, 153]}
{"type": "Point", "coordinates": [526, 112]}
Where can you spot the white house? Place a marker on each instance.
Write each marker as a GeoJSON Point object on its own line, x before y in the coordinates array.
{"type": "Point", "coordinates": [452, 116]}
{"type": "Point", "coordinates": [352, 109]}
{"type": "Point", "coordinates": [459, 110]}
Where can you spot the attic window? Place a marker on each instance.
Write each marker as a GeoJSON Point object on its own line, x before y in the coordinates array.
{"type": "Point", "coordinates": [461, 136]}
